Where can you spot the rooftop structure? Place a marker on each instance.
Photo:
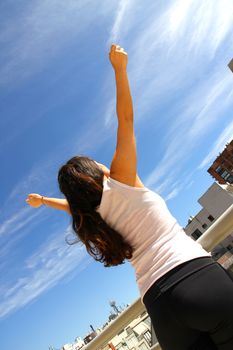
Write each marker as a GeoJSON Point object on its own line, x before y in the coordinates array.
{"type": "Point", "coordinates": [222, 167]}
{"type": "Point", "coordinates": [215, 201]}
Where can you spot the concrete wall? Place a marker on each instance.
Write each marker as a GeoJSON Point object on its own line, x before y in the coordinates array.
{"type": "Point", "coordinates": [215, 201]}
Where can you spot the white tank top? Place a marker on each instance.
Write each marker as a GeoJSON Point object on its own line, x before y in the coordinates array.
{"type": "Point", "coordinates": [143, 219]}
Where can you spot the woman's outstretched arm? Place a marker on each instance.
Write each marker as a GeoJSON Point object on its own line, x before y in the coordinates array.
{"type": "Point", "coordinates": [124, 163]}
{"type": "Point", "coordinates": [36, 200]}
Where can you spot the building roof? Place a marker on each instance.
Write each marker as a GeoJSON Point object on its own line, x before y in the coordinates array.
{"type": "Point", "coordinates": [227, 187]}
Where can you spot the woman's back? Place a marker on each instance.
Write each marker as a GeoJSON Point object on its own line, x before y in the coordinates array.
{"type": "Point", "coordinates": [143, 219]}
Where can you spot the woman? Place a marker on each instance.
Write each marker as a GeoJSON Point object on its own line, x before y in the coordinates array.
{"type": "Point", "coordinates": [188, 296]}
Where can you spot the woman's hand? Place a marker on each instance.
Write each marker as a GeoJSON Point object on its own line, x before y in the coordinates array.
{"type": "Point", "coordinates": [118, 57]}
{"type": "Point", "coordinates": [35, 200]}
{"type": "Point", "coordinates": [105, 170]}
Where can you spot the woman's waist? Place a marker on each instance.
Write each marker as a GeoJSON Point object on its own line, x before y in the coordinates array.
{"type": "Point", "coordinates": [176, 275]}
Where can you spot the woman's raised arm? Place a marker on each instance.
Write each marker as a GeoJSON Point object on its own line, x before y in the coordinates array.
{"type": "Point", "coordinates": [124, 162]}
{"type": "Point", "coordinates": [36, 200]}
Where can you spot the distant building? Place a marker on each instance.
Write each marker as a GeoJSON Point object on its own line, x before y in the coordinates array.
{"type": "Point", "coordinates": [215, 201]}
{"type": "Point", "coordinates": [222, 167]}
{"type": "Point", "coordinates": [136, 335]}
{"type": "Point", "coordinates": [88, 338]}
{"type": "Point", "coordinates": [77, 345]}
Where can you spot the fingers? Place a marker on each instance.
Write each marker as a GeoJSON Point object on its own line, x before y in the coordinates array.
{"type": "Point", "coordinates": [28, 200]}
{"type": "Point", "coordinates": [30, 197]}
{"type": "Point", "coordinates": [115, 47]}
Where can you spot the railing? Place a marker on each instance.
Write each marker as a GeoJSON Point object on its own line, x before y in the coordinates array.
{"type": "Point", "coordinates": [219, 230]}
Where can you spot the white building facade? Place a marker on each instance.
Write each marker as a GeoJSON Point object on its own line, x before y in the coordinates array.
{"type": "Point", "coordinates": [215, 201]}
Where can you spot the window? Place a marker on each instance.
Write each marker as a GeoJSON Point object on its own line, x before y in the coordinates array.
{"type": "Point", "coordinates": [219, 169]}
{"type": "Point", "coordinates": [120, 347]}
{"type": "Point", "coordinates": [196, 234]}
{"type": "Point", "coordinates": [129, 330]}
{"type": "Point", "coordinates": [211, 218]}
{"type": "Point", "coordinates": [131, 341]}
{"type": "Point", "coordinates": [230, 179]}
{"type": "Point", "coordinates": [225, 174]}
{"type": "Point", "coordinates": [147, 336]}
{"type": "Point", "coordinates": [204, 226]}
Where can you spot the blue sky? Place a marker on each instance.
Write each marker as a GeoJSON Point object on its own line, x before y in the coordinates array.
{"type": "Point", "coordinates": [57, 99]}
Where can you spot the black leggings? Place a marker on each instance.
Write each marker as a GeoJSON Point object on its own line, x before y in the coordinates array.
{"type": "Point", "coordinates": [191, 307]}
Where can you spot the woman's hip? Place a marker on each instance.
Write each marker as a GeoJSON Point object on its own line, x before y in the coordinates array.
{"type": "Point", "coordinates": [198, 306]}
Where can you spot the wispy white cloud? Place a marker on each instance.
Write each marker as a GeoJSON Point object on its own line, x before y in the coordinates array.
{"type": "Point", "coordinates": [14, 230]}
{"type": "Point", "coordinates": [118, 31]}
{"type": "Point", "coordinates": [177, 47]}
{"type": "Point", "coordinates": [189, 127]}
{"type": "Point", "coordinates": [119, 25]}
{"type": "Point", "coordinates": [43, 175]}
{"type": "Point", "coordinates": [218, 146]}
{"type": "Point", "coordinates": [222, 22]}
{"type": "Point", "coordinates": [54, 261]}
{"type": "Point", "coordinates": [172, 185]}
{"type": "Point", "coordinates": [206, 23]}
{"type": "Point", "coordinates": [172, 194]}
{"type": "Point", "coordinates": [18, 220]}
{"type": "Point", "coordinates": [175, 66]}
{"type": "Point", "coordinates": [41, 271]}
{"type": "Point", "coordinates": [215, 99]}
{"type": "Point", "coordinates": [169, 58]}
{"type": "Point", "coordinates": [40, 31]}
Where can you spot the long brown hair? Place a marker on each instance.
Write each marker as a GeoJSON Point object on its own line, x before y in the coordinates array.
{"type": "Point", "coordinates": [81, 181]}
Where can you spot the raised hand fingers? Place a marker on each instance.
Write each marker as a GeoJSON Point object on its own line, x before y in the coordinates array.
{"type": "Point", "coordinates": [115, 47]}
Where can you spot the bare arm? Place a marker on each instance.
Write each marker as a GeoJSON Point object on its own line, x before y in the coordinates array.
{"type": "Point", "coordinates": [36, 200]}
{"type": "Point", "coordinates": [105, 170]}
{"type": "Point", "coordinates": [124, 163]}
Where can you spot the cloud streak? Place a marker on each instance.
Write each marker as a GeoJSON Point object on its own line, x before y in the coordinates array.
{"type": "Point", "coordinates": [193, 123]}
{"type": "Point", "coordinates": [36, 26]}
{"type": "Point", "coordinates": [41, 271]}
{"type": "Point", "coordinates": [18, 220]}
{"type": "Point", "coordinates": [218, 146]}
{"type": "Point", "coordinates": [184, 50]}
{"type": "Point", "coordinates": [119, 23]}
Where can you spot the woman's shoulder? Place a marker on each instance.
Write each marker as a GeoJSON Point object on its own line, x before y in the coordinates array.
{"type": "Point", "coordinates": [115, 183]}
{"type": "Point", "coordinates": [121, 180]}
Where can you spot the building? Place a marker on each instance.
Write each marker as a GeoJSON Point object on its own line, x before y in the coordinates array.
{"type": "Point", "coordinates": [88, 338]}
{"type": "Point", "coordinates": [77, 345]}
{"type": "Point", "coordinates": [222, 167]}
{"type": "Point", "coordinates": [135, 336]}
{"type": "Point", "coordinates": [215, 201]}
